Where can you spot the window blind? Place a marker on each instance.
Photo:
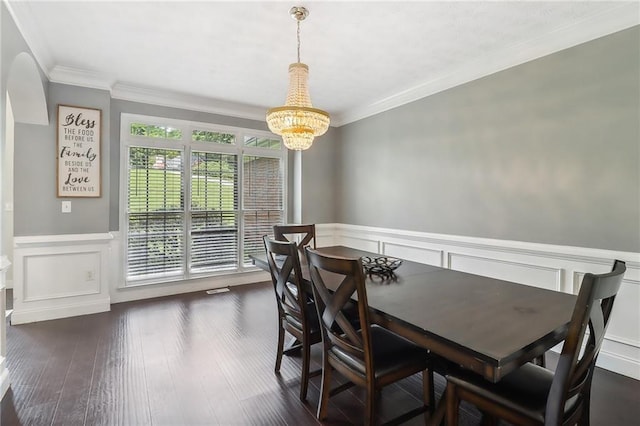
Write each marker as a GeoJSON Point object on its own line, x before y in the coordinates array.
{"type": "Point", "coordinates": [155, 203]}
{"type": "Point", "coordinates": [263, 201]}
{"type": "Point", "coordinates": [214, 205]}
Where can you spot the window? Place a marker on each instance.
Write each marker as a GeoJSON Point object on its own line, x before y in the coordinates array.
{"type": "Point", "coordinates": [262, 199]}
{"type": "Point", "coordinates": [198, 198]}
{"type": "Point", "coordinates": [214, 207]}
{"type": "Point", "coordinates": [155, 214]}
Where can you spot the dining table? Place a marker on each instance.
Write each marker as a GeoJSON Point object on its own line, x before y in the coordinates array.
{"type": "Point", "coordinates": [483, 324]}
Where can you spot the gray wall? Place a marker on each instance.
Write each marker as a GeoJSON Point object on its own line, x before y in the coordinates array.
{"type": "Point", "coordinates": [319, 183]}
{"type": "Point", "coordinates": [543, 152]}
{"type": "Point", "coordinates": [37, 210]}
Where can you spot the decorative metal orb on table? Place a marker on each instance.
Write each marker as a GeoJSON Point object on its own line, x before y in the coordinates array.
{"type": "Point", "coordinates": [382, 265]}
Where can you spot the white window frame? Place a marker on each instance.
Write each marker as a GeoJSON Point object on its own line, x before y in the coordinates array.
{"type": "Point", "coordinates": [187, 146]}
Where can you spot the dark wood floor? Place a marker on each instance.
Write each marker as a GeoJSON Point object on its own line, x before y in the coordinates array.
{"type": "Point", "coordinates": [199, 359]}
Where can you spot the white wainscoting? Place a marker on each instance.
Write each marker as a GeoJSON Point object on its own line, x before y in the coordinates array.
{"type": "Point", "coordinates": [67, 275]}
{"type": "Point", "coordinates": [57, 276]}
{"type": "Point", "coordinates": [552, 267]}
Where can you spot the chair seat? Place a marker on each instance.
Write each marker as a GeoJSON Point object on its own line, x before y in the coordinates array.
{"type": "Point", "coordinates": [391, 353]}
{"type": "Point", "coordinates": [524, 391]}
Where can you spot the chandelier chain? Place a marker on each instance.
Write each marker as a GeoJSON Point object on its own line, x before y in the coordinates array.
{"type": "Point", "coordinates": [298, 35]}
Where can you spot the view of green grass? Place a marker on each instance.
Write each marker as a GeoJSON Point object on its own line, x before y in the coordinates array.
{"type": "Point", "coordinates": [159, 190]}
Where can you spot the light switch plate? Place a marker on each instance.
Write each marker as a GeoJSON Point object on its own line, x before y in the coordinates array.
{"type": "Point", "coordinates": [66, 207]}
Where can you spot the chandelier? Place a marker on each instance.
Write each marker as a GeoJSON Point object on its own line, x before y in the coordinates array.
{"type": "Point", "coordinates": [297, 121]}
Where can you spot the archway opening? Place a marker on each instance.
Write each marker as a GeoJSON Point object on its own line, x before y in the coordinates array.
{"type": "Point", "coordinates": [25, 102]}
{"type": "Point", "coordinates": [25, 87]}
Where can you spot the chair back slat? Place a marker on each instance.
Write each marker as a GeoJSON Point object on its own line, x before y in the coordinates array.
{"type": "Point", "coordinates": [592, 312]}
{"type": "Point", "coordinates": [288, 298]}
{"type": "Point", "coordinates": [305, 234]}
{"type": "Point", "coordinates": [596, 327]}
{"type": "Point", "coordinates": [284, 266]}
{"type": "Point", "coordinates": [347, 279]}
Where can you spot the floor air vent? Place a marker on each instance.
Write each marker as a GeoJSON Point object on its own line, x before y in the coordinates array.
{"type": "Point", "coordinates": [218, 290]}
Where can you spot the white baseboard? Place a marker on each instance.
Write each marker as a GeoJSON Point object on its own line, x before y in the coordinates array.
{"type": "Point", "coordinates": [4, 382]}
{"type": "Point", "coordinates": [626, 366]}
{"type": "Point", "coordinates": [129, 294]}
{"type": "Point", "coordinates": [60, 311]}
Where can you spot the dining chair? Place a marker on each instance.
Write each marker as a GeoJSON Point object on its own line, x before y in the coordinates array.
{"type": "Point", "coordinates": [296, 313]}
{"type": "Point", "coordinates": [371, 357]}
{"type": "Point", "coordinates": [303, 235]}
{"type": "Point", "coordinates": [533, 395]}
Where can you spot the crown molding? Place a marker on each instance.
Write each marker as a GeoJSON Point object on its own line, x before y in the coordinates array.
{"type": "Point", "coordinates": [170, 99]}
{"type": "Point", "coordinates": [625, 16]}
{"type": "Point", "coordinates": [80, 77]}
{"type": "Point", "coordinates": [622, 17]}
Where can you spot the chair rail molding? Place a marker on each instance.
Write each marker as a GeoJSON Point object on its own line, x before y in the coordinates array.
{"type": "Point", "coordinates": [553, 267]}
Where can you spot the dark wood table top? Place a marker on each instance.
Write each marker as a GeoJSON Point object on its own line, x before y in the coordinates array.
{"type": "Point", "coordinates": [487, 325]}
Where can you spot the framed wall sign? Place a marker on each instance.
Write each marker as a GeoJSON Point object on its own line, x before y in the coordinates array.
{"type": "Point", "coordinates": [79, 131]}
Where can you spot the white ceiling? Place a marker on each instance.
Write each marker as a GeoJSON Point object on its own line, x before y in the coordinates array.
{"type": "Point", "coordinates": [364, 57]}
